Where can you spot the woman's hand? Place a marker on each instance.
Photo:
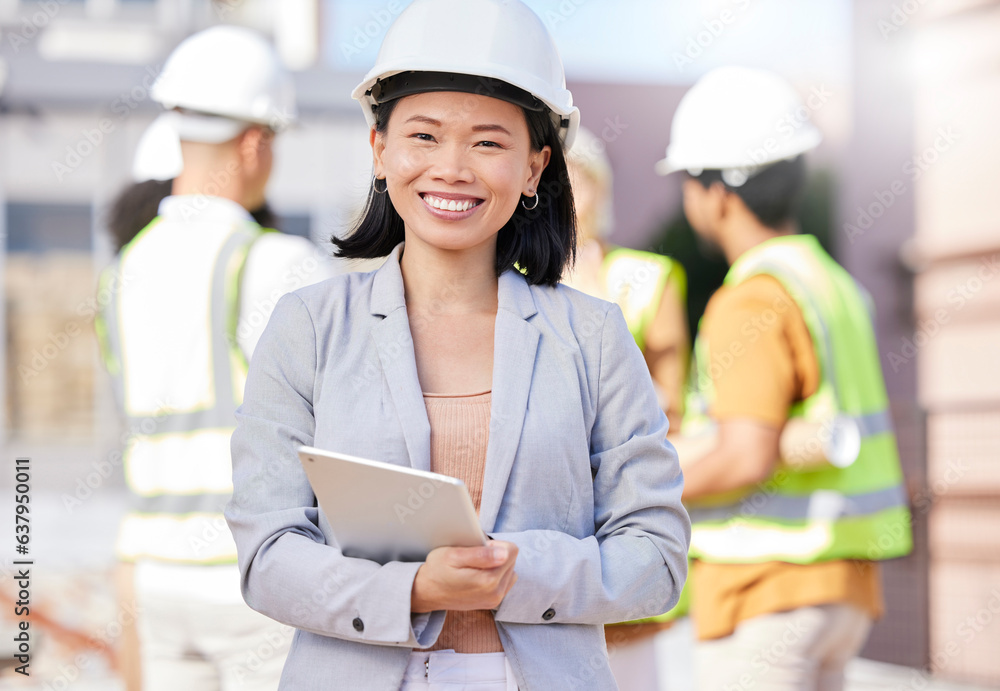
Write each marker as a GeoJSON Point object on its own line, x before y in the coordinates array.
{"type": "Point", "coordinates": [464, 578]}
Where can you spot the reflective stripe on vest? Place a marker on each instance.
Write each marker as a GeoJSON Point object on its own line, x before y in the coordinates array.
{"type": "Point", "coordinates": [202, 538]}
{"type": "Point", "coordinates": [177, 458]}
{"type": "Point", "coordinates": [635, 281]}
{"type": "Point", "coordinates": [810, 515]}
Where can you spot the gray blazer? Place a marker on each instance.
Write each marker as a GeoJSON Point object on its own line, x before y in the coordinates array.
{"type": "Point", "coordinates": [578, 474]}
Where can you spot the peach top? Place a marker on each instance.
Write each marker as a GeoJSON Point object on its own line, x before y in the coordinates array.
{"type": "Point", "coordinates": [460, 431]}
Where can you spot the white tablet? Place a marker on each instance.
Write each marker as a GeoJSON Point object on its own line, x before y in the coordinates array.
{"type": "Point", "coordinates": [386, 512]}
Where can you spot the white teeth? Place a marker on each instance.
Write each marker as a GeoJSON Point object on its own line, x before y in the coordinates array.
{"type": "Point", "coordinates": [449, 204]}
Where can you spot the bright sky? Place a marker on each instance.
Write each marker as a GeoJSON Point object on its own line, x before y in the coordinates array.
{"type": "Point", "coordinates": [646, 41]}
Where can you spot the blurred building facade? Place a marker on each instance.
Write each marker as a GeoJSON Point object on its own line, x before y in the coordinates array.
{"type": "Point", "coordinates": [956, 335]}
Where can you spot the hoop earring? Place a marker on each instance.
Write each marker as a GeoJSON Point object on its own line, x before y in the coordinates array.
{"type": "Point", "coordinates": [532, 207]}
{"type": "Point", "coordinates": [375, 185]}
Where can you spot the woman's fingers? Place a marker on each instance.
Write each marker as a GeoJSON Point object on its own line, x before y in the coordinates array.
{"type": "Point", "coordinates": [465, 577]}
{"type": "Point", "coordinates": [491, 556]}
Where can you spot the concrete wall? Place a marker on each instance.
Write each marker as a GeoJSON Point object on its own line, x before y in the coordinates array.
{"type": "Point", "coordinates": [957, 336]}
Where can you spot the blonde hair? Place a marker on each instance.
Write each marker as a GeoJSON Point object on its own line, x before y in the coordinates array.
{"type": "Point", "coordinates": [590, 157]}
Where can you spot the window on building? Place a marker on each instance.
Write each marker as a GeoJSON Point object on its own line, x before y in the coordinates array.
{"type": "Point", "coordinates": [38, 228]}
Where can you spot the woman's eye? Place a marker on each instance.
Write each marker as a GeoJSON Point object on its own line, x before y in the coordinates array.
{"type": "Point", "coordinates": [490, 144]}
{"type": "Point", "coordinates": [423, 136]}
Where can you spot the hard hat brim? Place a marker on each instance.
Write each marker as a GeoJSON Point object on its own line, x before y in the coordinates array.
{"type": "Point", "coordinates": [362, 94]}
{"type": "Point", "coordinates": [806, 140]}
{"type": "Point", "coordinates": [206, 129]}
{"type": "Point", "coordinates": [665, 167]}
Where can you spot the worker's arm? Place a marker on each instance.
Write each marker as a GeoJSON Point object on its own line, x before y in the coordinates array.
{"type": "Point", "coordinates": [744, 453]}
{"type": "Point", "coordinates": [802, 445]}
{"type": "Point", "coordinates": [762, 362]}
{"type": "Point", "coordinates": [666, 352]}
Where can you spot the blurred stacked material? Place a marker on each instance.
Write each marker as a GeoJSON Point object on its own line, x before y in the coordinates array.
{"type": "Point", "coordinates": [76, 627]}
{"type": "Point", "coordinates": [51, 351]}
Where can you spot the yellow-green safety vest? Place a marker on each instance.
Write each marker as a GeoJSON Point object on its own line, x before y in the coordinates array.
{"type": "Point", "coordinates": [635, 281]}
{"type": "Point", "coordinates": [177, 460]}
{"type": "Point", "coordinates": [815, 514]}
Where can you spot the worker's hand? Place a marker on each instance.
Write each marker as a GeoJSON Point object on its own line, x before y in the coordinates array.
{"type": "Point", "coordinates": [464, 578]}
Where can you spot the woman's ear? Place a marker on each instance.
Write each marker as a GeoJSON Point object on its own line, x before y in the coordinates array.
{"type": "Point", "coordinates": [536, 164]}
{"type": "Point", "coordinates": [377, 142]}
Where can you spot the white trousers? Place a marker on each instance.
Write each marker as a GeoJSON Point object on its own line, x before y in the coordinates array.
{"type": "Point", "coordinates": [446, 670]}
{"type": "Point", "coordinates": [804, 649]}
{"type": "Point", "coordinates": [635, 665]}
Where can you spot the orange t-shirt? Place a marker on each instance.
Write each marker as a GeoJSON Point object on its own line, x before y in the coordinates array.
{"type": "Point", "coordinates": [766, 362]}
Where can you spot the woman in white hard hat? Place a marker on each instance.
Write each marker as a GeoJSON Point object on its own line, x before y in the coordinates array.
{"type": "Point", "coordinates": [461, 355]}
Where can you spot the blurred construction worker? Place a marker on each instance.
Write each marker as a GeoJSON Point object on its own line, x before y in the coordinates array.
{"type": "Point", "coordinates": [192, 293]}
{"type": "Point", "coordinates": [785, 583]}
{"type": "Point", "coordinates": [650, 289]}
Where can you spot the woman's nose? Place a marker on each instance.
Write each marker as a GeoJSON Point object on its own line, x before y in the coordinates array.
{"type": "Point", "coordinates": [451, 164]}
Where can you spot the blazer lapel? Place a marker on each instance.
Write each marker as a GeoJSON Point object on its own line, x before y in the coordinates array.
{"type": "Point", "coordinates": [395, 351]}
{"type": "Point", "coordinates": [514, 347]}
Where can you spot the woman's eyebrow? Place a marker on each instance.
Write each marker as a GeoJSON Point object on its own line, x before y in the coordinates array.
{"type": "Point", "coordinates": [475, 128]}
{"type": "Point", "coordinates": [424, 119]}
{"type": "Point", "coordinates": [491, 128]}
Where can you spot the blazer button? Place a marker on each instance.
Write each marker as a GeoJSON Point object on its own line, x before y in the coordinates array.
{"type": "Point", "coordinates": [549, 613]}
{"type": "Point", "coordinates": [358, 624]}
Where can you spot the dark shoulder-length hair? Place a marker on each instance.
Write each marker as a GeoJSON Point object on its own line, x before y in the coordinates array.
{"type": "Point", "coordinates": [540, 242]}
{"type": "Point", "coordinates": [134, 208]}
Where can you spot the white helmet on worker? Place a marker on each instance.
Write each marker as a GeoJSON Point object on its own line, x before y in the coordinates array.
{"type": "Point", "coordinates": [158, 155]}
{"type": "Point", "coordinates": [221, 81]}
{"type": "Point", "coordinates": [740, 121]}
{"type": "Point", "coordinates": [496, 48]}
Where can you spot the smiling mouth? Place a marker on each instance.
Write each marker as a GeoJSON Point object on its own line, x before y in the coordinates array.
{"type": "Point", "coordinates": [457, 205]}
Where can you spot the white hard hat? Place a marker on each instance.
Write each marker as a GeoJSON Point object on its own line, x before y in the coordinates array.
{"type": "Point", "coordinates": [738, 120]}
{"type": "Point", "coordinates": [158, 155]}
{"type": "Point", "coordinates": [222, 80]}
{"type": "Point", "coordinates": [499, 40]}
